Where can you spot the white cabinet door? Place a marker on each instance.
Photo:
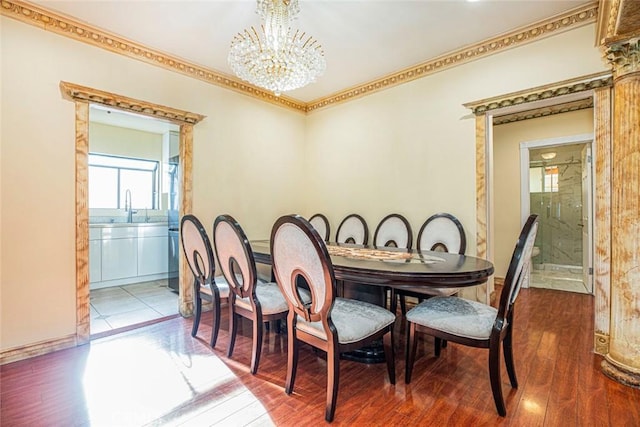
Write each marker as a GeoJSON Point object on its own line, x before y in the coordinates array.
{"type": "Point", "coordinates": [95, 261]}
{"type": "Point", "coordinates": [153, 255]}
{"type": "Point", "coordinates": [119, 258]}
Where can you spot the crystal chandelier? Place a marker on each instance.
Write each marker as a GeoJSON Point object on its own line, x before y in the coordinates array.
{"type": "Point", "coordinates": [277, 58]}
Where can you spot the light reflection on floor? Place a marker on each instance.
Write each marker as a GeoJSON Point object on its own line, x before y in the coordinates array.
{"type": "Point", "coordinates": [131, 393]}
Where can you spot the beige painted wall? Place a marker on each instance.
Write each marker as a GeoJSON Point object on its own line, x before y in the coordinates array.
{"type": "Point", "coordinates": [245, 155]}
{"type": "Point", "coordinates": [107, 139]}
{"type": "Point", "coordinates": [408, 149]}
{"type": "Point", "coordinates": [506, 156]}
{"type": "Point", "coordinates": [411, 149]}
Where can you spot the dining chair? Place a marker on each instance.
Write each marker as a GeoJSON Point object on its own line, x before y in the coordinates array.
{"type": "Point", "coordinates": [440, 232]}
{"type": "Point", "coordinates": [257, 301]}
{"type": "Point", "coordinates": [199, 254]}
{"type": "Point", "coordinates": [321, 224]}
{"type": "Point", "coordinates": [393, 231]}
{"type": "Point", "coordinates": [353, 229]}
{"type": "Point", "coordinates": [476, 324]}
{"type": "Point", "coordinates": [328, 323]}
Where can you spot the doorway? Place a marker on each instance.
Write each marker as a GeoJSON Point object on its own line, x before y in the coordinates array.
{"type": "Point", "coordinates": [130, 184]}
{"type": "Point", "coordinates": [556, 184]}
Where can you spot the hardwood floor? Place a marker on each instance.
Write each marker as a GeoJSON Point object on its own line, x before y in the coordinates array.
{"type": "Point", "coordinates": [160, 375]}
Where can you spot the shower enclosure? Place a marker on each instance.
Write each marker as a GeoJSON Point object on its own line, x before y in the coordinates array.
{"type": "Point", "coordinates": [556, 182]}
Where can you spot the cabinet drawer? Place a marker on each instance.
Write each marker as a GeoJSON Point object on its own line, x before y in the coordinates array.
{"type": "Point", "coordinates": [153, 231]}
{"type": "Point", "coordinates": [119, 232]}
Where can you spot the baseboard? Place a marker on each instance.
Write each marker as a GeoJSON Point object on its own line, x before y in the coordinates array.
{"type": "Point", "coordinates": [37, 349]}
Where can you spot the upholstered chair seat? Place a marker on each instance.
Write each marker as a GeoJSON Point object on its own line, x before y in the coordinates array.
{"type": "Point", "coordinates": [354, 320]}
{"type": "Point", "coordinates": [457, 316]}
{"type": "Point", "coordinates": [271, 299]}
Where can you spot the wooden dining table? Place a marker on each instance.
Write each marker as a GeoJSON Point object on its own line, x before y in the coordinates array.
{"type": "Point", "coordinates": [365, 272]}
{"type": "Point", "coordinates": [397, 268]}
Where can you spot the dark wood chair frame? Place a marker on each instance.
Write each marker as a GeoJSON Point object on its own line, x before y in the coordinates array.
{"type": "Point", "coordinates": [502, 327]}
{"type": "Point", "coordinates": [326, 225]}
{"type": "Point", "coordinates": [438, 245]}
{"type": "Point", "coordinates": [331, 346]}
{"type": "Point", "coordinates": [246, 289]}
{"type": "Point", "coordinates": [202, 266]}
{"type": "Point", "coordinates": [364, 224]}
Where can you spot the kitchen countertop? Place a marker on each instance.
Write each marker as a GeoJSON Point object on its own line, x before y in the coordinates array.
{"type": "Point", "coordinates": [127, 224]}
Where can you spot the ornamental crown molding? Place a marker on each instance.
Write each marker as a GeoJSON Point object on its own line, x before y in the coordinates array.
{"type": "Point", "coordinates": [572, 86]}
{"type": "Point", "coordinates": [79, 31]}
{"type": "Point", "coordinates": [551, 110]}
{"type": "Point", "coordinates": [569, 20]}
{"type": "Point", "coordinates": [74, 92]}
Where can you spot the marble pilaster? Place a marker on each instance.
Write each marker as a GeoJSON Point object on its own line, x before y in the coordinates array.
{"type": "Point", "coordinates": [622, 362]}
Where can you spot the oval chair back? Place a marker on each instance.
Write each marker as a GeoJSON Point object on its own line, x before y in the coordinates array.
{"type": "Point", "coordinates": [321, 224]}
{"type": "Point", "coordinates": [353, 229]}
{"type": "Point", "coordinates": [235, 257]}
{"type": "Point", "coordinates": [442, 231]}
{"type": "Point", "coordinates": [297, 250]}
{"type": "Point", "coordinates": [518, 268]}
{"type": "Point", "coordinates": [197, 249]}
{"type": "Point", "coordinates": [199, 253]}
{"type": "Point", "coordinates": [393, 231]}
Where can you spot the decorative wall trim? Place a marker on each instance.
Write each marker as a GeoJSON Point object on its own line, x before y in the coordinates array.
{"type": "Point", "coordinates": [82, 96]}
{"type": "Point", "coordinates": [37, 349]}
{"type": "Point", "coordinates": [607, 17]}
{"type": "Point", "coordinates": [566, 87]}
{"type": "Point", "coordinates": [603, 103]}
{"type": "Point", "coordinates": [600, 94]}
{"type": "Point", "coordinates": [68, 27]}
{"type": "Point", "coordinates": [74, 92]}
{"type": "Point", "coordinates": [580, 104]}
{"type": "Point", "coordinates": [572, 19]}
{"type": "Point", "coordinates": [624, 56]}
{"type": "Point", "coordinates": [80, 31]}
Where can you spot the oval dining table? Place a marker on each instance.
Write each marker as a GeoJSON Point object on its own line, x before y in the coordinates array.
{"type": "Point", "coordinates": [364, 272]}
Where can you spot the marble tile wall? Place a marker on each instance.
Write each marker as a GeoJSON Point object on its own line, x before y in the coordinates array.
{"type": "Point", "coordinates": [560, 235]}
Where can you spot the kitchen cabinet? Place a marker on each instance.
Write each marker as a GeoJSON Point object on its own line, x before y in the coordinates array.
{"type": "Point", "coordinates": [122, 253]}
{"type": "Point", "coordinates": [153, 244]}
{"type": "Point", "coordinates": [95, 255]}
{"type": "Point", "coordinates": [119, 252]}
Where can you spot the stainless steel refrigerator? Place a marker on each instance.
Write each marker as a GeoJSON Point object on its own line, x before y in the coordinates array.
{"type": "Point", "coordinates": [174, 221]}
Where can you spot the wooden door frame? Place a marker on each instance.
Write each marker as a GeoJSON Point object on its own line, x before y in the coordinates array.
{"type": "Point", "coordinates": [82, 97]}
{"type": "Point", "coordinates": [537, 102]}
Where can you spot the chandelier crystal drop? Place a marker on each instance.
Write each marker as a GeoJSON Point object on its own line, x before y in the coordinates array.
{"type": "Point", "coordinates": [277, 58]}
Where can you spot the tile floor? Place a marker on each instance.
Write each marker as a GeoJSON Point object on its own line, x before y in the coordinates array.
{"type": "Point", "coordinates": [561, 278]}
{"type": "Point", "coordinates": [121, 306]}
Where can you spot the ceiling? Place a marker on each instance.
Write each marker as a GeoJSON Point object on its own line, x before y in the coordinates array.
{"type": "Point", "coordinates": [362, 40]}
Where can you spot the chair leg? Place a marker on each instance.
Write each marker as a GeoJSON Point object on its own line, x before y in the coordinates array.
{"type": "Point", "coordinates": [411, 351]}
{"type": "Point", "coordinates": [292, 358]}
{"type": "Point", "coordinates": [256, 345]}
{"type": "Point", "coordinates": [437, 344]}
{"type": "Point", "coordinates": [403, 304]}
{"type": "Point", "coordinates": [216, 322]}
{"type": "Point", "coordinates": [333, 380]}
{"type": "Point", "coordinates": [494, 376]}
{"type": "Point", "coordinates": [508, 358]}
{"type": "Point", "coordinates": [233, 328]}
{"type": "Point", "coordinates": [393, 300]}
{"type": "Point", "coordinates": [389, 355]}
{"type": "Point", "coordinates": [196, 316]}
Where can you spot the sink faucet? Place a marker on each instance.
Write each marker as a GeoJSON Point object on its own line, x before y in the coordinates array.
{"type": "Point", "coordinates": [128, 207]}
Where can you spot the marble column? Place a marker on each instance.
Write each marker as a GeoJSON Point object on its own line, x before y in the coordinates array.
{"type": "Point", "coordinates": [622, 363]}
